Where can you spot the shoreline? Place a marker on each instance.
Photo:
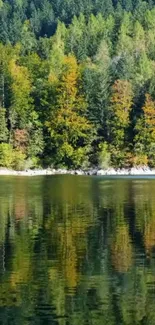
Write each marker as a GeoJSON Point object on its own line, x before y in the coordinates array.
{"type": "Point", "coordinates": [139, 171]}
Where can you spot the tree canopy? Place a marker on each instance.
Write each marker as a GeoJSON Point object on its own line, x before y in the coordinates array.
{"type": "Point", "coordinates": [77, 83]}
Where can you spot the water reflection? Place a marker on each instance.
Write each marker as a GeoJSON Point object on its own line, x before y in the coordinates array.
{"type": "Point", "coordinates": [77, 250]}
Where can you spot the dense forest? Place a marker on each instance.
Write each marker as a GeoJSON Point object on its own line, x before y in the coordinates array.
{"type": "Point", "coordinates": [77, 83]}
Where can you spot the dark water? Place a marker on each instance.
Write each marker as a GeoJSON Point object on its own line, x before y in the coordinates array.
{"type": "Point", "coordinates": [77, 251]}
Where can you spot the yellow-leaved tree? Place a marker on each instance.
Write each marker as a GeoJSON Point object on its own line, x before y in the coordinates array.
{"type": "Point", "coordinates": [149, 115]}
{"type": "Point", "coordinates": [121, 106]}
{"type": "Point", "coordinates": [21, 101]}
{"type": "Point", "coordinates": [145, 132]}
{"type": "Point", "coordinates": [69, 128]}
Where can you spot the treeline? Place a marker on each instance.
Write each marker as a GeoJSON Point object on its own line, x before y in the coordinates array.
{"type": "Point", "coordinates": [84, 96]}
{"type": "Point", "coordinates": [43, 15]}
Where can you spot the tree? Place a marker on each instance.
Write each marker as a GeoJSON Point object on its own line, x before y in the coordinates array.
{"type": "Point", "coordinates": [149, 114]}
{"type": "Point", "coordinates": [121, 105]}
{"type": "Point", "coordinates": [138, 39]}
{"type": "Point", "coordinates": [70, 130]}
{"type": "Point", "coordinates": [145, 131]}
{"type": "Point", "coordinates": [96, 85]}
{"type": "Point", "coordinates": [21, 101]}
{"type": "Point", "coordinates": [124, 43]}
{"type": "Point", "coordinates": [28, 40]}
{"type": "Point", "coordinates": [3, 126]}
{"type": "Point", "coordinates": [104, 6]}
{"type": "Point", "coordinates": [77, 38]}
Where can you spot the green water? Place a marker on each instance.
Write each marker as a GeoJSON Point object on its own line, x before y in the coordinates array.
{"type": "Point", "coordinates": [77, 251]}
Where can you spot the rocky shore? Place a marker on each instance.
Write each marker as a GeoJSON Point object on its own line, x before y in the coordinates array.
{"type": "Point", "coordinates": [140, 171]}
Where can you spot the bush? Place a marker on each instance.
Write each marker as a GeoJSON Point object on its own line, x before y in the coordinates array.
{"type": "Point", "coordinates": [151, 155]}
{"type": "Point", "coordinates": [18, 160]}
{"type": "Point", "coordinates": [121, 158]}
{"type": "Point", "coordinates": [33, 162]}
{"type": "Point", "coordinates": [104, 156]}
{"type": "Point", "coordinates": [140, 160]}
{"type": "Point", "coordinates": [6, 155]}
{"type": "Point", "coordinates": [80, 158]}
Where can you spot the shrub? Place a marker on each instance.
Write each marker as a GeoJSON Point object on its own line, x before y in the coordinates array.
{"type": "Point", "coordinates": [6, 155]}
{"type": "Point", "coordinates": [18, 160]}
{"type": "Point", "coordinates": [80, 158]}
{"type": "Point", "coordinates": [104, 156]}
{"type": "Point", "coordinates": [151, 155]}
{"type": "Point", "coordinates": [140, 160]}
{"type": "Point", "coordinates": [121, 158]}
{"type": "Point", "coordinates": [20, 140]}
{"type": "Point", "coordinates": [33, 162]}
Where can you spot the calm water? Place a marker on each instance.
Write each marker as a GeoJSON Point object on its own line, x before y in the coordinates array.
{"type": "Point", "coordinates": [77, 251]}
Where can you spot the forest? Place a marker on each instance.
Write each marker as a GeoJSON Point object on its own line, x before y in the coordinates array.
{"type": "Point", "coordinates": [77, 83]}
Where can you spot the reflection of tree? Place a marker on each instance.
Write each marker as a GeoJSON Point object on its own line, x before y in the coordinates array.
{"type": "Point", "coordinates": [122, 249]}
{"type": "Point", "coordinates": [144, 211]}
{"type": "Point", "coordinates": [68, 237]}
{"type": "Point", "coordinates": [21, 263]}
{"type": "Point", "coordinates": [149, 235]}
{"type": "Point", "coordinates": [71, 251]}
{"type": "Point", "coordinates": [19, 274]}
{"type": "Point", "coordinates": [69, 256]}
{"type": "Point", "coordinates": [73, 240]}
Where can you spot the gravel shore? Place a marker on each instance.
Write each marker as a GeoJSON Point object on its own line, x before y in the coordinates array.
{"type": "Point", "coordinates": [141, 171]}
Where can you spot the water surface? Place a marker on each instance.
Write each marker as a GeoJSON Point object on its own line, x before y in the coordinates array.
{"type": "Point", "coordinates": [77, 251]}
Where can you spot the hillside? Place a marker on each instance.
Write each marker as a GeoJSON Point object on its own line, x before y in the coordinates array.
{"type": "Point", "coordinates": [77, 83]}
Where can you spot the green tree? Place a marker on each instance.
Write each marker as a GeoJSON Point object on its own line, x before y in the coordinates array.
{"type": "Point", "coordinates": [3, 126]}
{"type": "Point", "coordinates": [21, 101]}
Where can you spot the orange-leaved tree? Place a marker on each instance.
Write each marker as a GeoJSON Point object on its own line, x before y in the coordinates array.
{"type": "Point", "coordinates": [122, 102]}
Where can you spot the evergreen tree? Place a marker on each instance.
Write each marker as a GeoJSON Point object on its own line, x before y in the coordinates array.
{"type": "Point", "coordinates": [3, 126]}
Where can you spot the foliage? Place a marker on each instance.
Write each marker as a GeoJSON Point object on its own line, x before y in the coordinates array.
{"type": "Point", "coordinates": [69, 129]}
{"type": "Point", "coordinates": [20, 140]}
{"type": "Point", "coordinates": [74, 76]}
{"type": "Point", "coordinates": [18, 160]}
{"type": "Point", "coordinates": [140, 160]}
{"type": "Point", "coordinates": [145, 137]}
{"type": "Point", "coordinates": [6, 155]}
{"type": "Point", "coordinates": [103, 156]}
{"type": "Point", "coordinates": [20, 93]}
{"type": "Point", "coordinates": [3, 126]}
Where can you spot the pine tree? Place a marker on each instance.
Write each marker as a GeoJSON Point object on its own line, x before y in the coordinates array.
{"type": "Point", "coordinates": [3, 126]}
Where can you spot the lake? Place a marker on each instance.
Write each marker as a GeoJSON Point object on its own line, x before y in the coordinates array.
{"type": "Point", "coordinates": [77, 250]}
